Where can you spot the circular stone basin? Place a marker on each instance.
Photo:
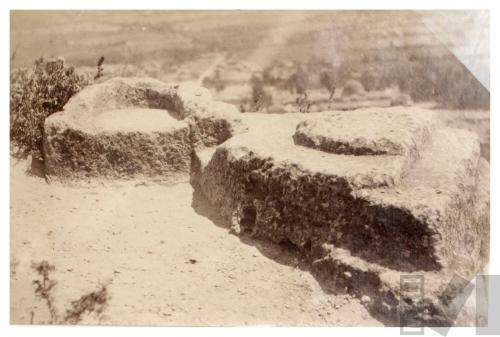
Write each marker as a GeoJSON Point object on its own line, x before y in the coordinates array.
{"type": "Point", "coordinates": [136, 120]}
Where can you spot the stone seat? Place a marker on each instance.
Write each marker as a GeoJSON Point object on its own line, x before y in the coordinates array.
{"type": "Point", "coordinates": [129, 128]}
{"type": "Point", "coordinates": [119, 144]}
{"type": "Point", "coordinates": [396, 131]}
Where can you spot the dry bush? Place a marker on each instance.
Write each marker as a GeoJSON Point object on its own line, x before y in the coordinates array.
{"type": "Point", "coordinates": [92, 302]}
{"type": "Point", "coordinates": [35, 94]}
{"type": "Point", "coordinates": [44, 287]}
{"type": "Point", "coordinates": [95, 301]}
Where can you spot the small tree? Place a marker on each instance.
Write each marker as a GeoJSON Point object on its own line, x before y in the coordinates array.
{"type": "Point", "coordinates": [328, 82]}
{"type": "Point", "coordinates": [298, 81]}
{"type": "Point", "coordinates": [100, 69]}
{"type": "Point", "coordinates": [303, 102]}
{"type": "Point", "coordinates": [260, 98]}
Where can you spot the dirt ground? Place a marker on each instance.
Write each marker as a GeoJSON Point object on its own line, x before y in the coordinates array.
{"type": "Point", "coordinates": [164, 262]}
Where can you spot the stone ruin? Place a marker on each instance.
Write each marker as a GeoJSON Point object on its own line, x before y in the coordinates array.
{"type": "Point", "coordinates": [120, 129]}
{"type": "Point", "coordinates": [365, 196]}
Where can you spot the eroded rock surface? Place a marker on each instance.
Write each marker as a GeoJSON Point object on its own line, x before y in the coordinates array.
{"type": "Point", "coordinates": [363, 219]}
{"type": "Point", "coordinates": [122, 143]}
{"type": "Point", "coordinates": [397, 131]}
{"type": "Point", "coordinates": [127, 128]}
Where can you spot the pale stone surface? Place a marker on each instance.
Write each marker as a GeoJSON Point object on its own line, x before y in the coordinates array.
{"type": "Point", "coordinates": [139, 120]}
{"type": "Point", "coordinates": [371, 131]}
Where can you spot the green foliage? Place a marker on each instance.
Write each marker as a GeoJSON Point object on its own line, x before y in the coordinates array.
{"type": "Point", "coordinates": [35, 94]}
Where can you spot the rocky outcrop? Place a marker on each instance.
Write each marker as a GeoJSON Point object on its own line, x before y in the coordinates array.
{"type": "Point", "coordinates": [370, 197]}
{"type": "Point", "coordinates": [128, 128]}
{"type": "Point", "coordinates": [363, 219]}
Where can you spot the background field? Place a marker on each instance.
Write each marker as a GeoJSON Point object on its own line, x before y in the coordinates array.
{"type": "Point", "coordinates": [269, 61]}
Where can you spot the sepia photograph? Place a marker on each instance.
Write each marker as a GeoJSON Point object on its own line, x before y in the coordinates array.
{"type": "Point", "coordinates": [304, 168]}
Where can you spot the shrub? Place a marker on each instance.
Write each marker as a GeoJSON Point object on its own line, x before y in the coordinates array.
{"type": "Point", "coordinates": [93, 302]}
{"type": "Point", "coordinates": [34, 95]}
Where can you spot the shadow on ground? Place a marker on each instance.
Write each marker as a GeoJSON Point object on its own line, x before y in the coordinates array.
{"type": "Point", "coordinates": [285, 254]}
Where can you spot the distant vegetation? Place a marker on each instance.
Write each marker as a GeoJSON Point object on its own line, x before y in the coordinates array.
{"type": "Point", "coordinates": [38, 92]}
{"type": "Point", "coordinates": [214, 82]}
{"type": "Point", "coordinates": [324, 50]}
{"type": "Point", "coordinates": [424, 77]}
{"type": "Point", "coordinates": [444, 80]}
{"type": "Point", "coordinates": [260, 98]}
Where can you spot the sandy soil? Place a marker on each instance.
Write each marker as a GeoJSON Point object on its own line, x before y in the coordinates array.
{"type": "Point", "coordinates": [165, 262]}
